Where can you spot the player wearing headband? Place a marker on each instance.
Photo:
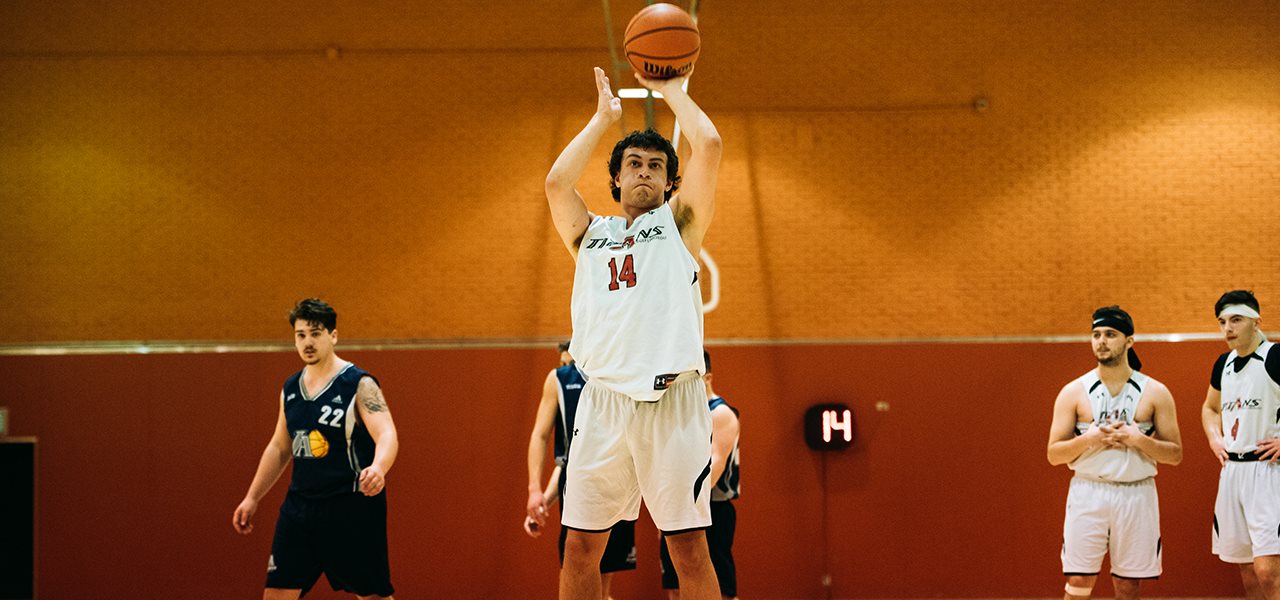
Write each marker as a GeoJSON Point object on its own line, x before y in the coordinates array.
{"type": "Point", "coordinates": [1241, 418]}
{"type": "Point", "coordinates": [1111, 426]}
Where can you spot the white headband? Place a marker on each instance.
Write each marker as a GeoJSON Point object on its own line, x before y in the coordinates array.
{"type": "Point", "coordinates": [1239, 309]}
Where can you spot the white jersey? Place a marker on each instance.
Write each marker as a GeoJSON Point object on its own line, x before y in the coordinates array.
{"type": "Point", "coordinates": [1250, 398]}
{"type": "Point", "coordinates": [1114, 464]}
{"type": "Point", "coordinates": [637, 306]}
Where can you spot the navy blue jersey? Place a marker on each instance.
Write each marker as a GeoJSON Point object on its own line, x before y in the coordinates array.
{"type": "Point", "coordinates": [331, 445]}
{"type": "Point", "coordinates": [727, 488]}
{"type": "Point", "coordinates": [571, 382]}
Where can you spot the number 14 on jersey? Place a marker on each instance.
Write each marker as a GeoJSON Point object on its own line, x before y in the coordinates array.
{"type": "Point", "coordinates": [625, 274]}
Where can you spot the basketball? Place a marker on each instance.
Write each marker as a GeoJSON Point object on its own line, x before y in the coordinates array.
{"type": "Point", "coordinates": [319, 445]}
{"type": "Point", "coordinates": [662, 42]}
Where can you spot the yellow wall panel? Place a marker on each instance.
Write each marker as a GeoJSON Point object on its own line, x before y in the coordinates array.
{"type": "Point", "coordinates": [188, 174]}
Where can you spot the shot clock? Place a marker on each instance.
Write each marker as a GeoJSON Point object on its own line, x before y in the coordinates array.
{"type": "Point", "coordinates": [828, 427]}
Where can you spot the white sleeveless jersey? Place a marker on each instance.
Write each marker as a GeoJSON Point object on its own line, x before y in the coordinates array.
{"type": "Point", "coordinates": [1114, 464]}
{"type": "Point", "coordinates": [637, 307]}
{"type": "Point", "coordinates": [1250, 401]}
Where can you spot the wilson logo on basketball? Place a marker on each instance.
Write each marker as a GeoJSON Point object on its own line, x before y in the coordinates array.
{"type": "Point", "coordinates": [664, 71]}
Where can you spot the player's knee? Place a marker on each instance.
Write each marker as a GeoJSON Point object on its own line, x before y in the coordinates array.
{"type": "Point", "coordinates": [581, 547]}
{"type": "Point", "coordinates": [689, 548]}
{"type": "Point", "coordinates": [1268, 573]}
{"type": "Point", "coordinates": [1079, 587]}
{"type": "Point", "coordinates": [1126, 589]}
{"type": "Point", "coordinates": [1249, 579]}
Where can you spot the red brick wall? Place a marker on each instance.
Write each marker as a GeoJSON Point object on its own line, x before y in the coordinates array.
{"type": "Point", "coordinates": [947, 494]}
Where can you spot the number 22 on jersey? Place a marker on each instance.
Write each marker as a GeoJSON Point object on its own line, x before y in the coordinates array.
{"type": "Point", "coordinates": [626, 274]}
{"type": "Point", "coordinates": [335, 413]}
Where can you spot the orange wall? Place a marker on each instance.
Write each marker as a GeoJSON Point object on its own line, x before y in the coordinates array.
{"type": "Point", "coordinates": [160, 161]}
{"type": "Point", "coordinates": [187, 174]}
{"type": "Point", "coordinates": [946, 494]}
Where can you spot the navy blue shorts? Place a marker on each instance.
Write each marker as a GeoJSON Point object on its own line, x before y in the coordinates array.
{"type": "Point", "coordinates": [724, 520]}
{"type": "Point", "coordinates": [344, 537]}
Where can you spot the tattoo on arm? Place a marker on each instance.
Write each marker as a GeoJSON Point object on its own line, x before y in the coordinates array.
{"type": "Point", "coordinates": [373, 399]}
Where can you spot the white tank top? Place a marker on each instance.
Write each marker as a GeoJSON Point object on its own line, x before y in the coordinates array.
{"type": "Point", "coordinates": [637, 306]}
{"type": "Point", "coordinates": [1114, 464]}
{"type": "Point", "coordinates": [1250, 402]}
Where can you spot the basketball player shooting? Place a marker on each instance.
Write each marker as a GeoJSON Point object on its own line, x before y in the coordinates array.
{"type": "Point", "coordinates": [642, 429]}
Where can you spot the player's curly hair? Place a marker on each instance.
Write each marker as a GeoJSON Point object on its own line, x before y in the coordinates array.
{"type": "Point", "coordinates": [644, 140]}
{"type": "Point", "coordinates": [314, 310]}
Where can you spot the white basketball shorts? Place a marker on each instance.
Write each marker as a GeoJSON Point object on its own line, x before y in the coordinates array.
{"type": "Point", "coordinates": [1120, 518]}
{"type": "Point", "coordinates": [1246, 516]}
{"type": "Point", "coordinates": [622, 450]}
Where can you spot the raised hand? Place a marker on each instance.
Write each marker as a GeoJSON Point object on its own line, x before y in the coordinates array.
{"type": "Point", "coordinates": [664, 86]}
{"type": "Point", "coordinates": [607, 105]}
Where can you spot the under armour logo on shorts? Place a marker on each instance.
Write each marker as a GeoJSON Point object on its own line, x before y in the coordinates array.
{"type": "Point", "coordinates": [662, 382]}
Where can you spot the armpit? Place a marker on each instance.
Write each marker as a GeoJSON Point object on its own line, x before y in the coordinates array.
{"type": "Point", "coordinates": [682, 214]}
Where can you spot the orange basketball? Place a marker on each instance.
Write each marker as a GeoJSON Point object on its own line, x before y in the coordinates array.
{"type": "Point", "coordinates": [662, 41]}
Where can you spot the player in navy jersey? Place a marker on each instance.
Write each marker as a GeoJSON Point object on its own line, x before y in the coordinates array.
{"type": "Point", "coordinates": [334, 426]}
{"type": "Point", "coordinates": [724, 518]}
{"type": "Point", "coordinates": [556, 410]}
{"type": "Point", "coordinates": [1241, 418]}
{"type": "Point", "coordinates": [642, 430]}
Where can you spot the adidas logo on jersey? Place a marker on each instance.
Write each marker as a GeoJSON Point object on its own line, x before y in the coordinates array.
{"type": "Point", "coordinates": [271, 563]}
{"type": "Point", "coordinates": [290, 397]}
{"type": "Point", "coordinates": [337, 399]}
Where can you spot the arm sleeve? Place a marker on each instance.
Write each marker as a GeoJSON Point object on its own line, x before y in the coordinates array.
{"type": "Point", "coordinates": [1215, 379]}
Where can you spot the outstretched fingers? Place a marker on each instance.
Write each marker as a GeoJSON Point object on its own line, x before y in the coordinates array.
{"type": "Point", "coordinates": [607, 103]}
